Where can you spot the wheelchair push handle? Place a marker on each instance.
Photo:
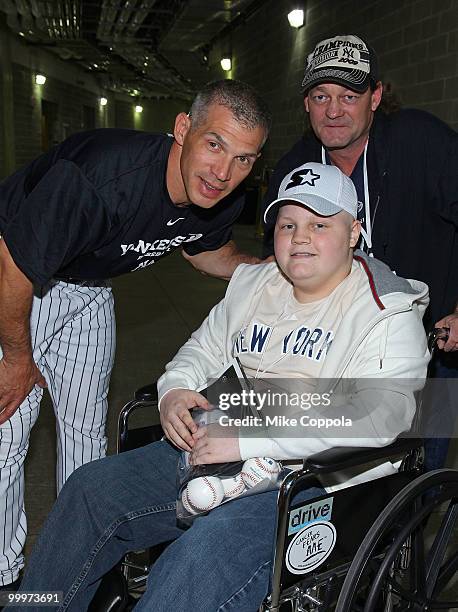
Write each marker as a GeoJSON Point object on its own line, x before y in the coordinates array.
{"type": "Point", "coordinates": [438, 333]}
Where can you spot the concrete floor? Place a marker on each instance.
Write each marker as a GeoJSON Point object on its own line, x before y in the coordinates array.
{"type": "Point", "coordinates": [156, 310]}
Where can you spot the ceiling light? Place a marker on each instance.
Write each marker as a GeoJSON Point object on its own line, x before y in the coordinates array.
{"type": "Point", "coordinates": [296, 18]}
{"type": "Point", "coordinates": [204, 54]}
{"type": "Point", "coordinates": [226, 63]}
{"type": "Point", "coordinates": [40, 79]}
{"type": "Point", "coordinates": [103, 101]}
{"type": "Point", "coordinates": [139, 109]}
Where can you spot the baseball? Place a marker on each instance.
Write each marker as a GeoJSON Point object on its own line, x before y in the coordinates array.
{"type": "Point", "coordinates": [186, 505]}
{"type": "Point", "coordinates": [204, 493]}
{"type": "Point", "coordinates": [257, 469]}
{"type": "Point", "coordinates": [233, 486]}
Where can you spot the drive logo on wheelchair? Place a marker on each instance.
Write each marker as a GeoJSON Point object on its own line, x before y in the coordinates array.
{"type": "Point", "coordinates": [304, 515]}
{"type": "Point", "coordinates": [310, 547]}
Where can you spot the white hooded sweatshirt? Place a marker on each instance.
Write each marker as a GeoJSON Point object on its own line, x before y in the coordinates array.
{"type": "Point", "coordinates": [368, 330]}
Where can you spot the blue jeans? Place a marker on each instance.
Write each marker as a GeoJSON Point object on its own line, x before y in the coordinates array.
{"type": "Point", "coordinates": [128, 502]}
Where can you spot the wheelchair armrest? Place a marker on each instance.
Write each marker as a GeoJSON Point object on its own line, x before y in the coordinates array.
{"type": "Point", "coordinates": [148, 393]}
{"type": "Point", "coordinates": [340, 457]}
{"type": "Point", "coordinates": [128, 439]}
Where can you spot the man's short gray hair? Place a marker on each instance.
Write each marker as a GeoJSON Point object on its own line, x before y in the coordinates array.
{"type": "Point", "coordinates": [241, 99]}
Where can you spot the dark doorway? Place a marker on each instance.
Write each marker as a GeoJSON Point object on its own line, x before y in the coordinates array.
{"type": "Point", "coordinates": [49, 124]}
{"type": "Point", "coordinates": [88, 118]}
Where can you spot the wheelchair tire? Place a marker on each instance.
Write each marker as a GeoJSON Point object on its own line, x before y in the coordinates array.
{"type": "Point", "coordinates": [112, 595]}
{"type": "Point", "coordinates": [375, 569]}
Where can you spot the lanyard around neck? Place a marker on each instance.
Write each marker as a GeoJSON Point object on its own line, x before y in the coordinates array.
{"type": "Point", "coordinates": [367, 232]}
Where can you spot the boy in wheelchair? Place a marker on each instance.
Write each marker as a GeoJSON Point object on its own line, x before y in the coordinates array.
{"type": "Point", "coordinates": [324, 312]}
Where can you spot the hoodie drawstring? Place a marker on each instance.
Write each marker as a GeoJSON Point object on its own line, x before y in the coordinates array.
{"type": "Point", "coordinates": [383, 342]}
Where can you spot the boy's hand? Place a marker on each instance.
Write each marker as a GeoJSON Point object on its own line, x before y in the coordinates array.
{"type": "Point", "coordinates": [176, 419]}
{"type": "Point", "coordinates": [215, 444]}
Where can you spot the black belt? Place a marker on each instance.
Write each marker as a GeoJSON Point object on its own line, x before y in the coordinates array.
{"type": "Point", "coordinates": [91, 282]}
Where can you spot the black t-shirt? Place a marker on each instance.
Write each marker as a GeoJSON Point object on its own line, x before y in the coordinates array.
{"type": "Point", "coordinates": [97, 206]}
{"type": "Point", "coordinates": [357, 178]}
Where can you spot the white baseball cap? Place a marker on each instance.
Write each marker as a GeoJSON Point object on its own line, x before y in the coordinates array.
{"type": "Point", "coordinates": [324, 189]}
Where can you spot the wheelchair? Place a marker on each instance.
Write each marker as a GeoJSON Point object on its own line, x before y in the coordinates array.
{"type": "Point", "coordinates": [386, 545]}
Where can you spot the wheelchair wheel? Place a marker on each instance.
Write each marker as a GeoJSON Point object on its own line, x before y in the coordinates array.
{"type": "Point", "coordinates": [406, 561]}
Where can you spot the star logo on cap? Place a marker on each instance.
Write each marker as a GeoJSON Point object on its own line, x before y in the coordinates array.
{"type": "Point", "coordinates": [303, 177]}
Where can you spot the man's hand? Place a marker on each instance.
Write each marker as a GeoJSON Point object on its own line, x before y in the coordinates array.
{"type": "Point", "coordinates": [176, 419]}
{"type": "Point", "coordinates": [223, 261]}
{"type": "Point", "coordinates": [450, 321]}
{"type": "Point", "coordinates": [215, 444]}
{"type": "Point", "coordinates": [16, 382]}
{"type": "Point", "coordinates": [18, 371]}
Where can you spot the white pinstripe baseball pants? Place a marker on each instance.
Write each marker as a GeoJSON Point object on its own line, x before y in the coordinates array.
{"type": "Point", "coordinates": [73, 335]}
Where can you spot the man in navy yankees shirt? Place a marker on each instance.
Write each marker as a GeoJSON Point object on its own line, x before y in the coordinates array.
{"type": "Point", "coordinates": [100, 204]}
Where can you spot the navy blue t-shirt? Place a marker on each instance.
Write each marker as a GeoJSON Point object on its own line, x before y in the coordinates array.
{"type": "Point", "coordinates": [357, 177]}
{"type": "Point", "coordinates": [97, 206]}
